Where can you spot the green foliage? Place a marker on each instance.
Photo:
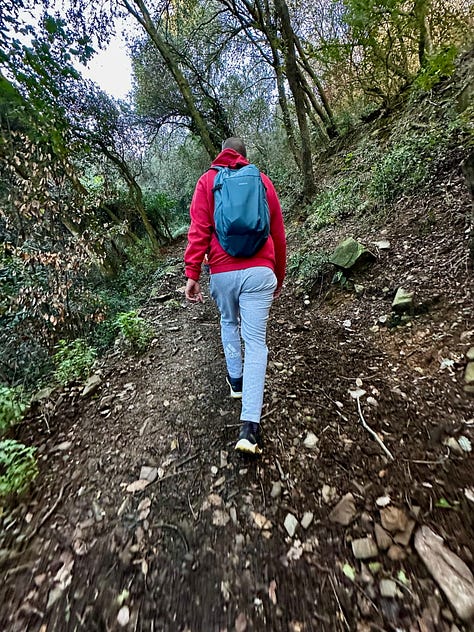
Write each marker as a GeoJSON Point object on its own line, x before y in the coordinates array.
{"type": "Point", "coordinates": [74, 360]}
{"type": "Point", "coordinates": [18, 467]}
{"type": "Point", "coordinates": [409, 162]}
{"type": "Point", "coordinates": [164, 212]}
{"type": "Point", "coordinates": [136, 331]}
{"type": "Point", "coordinates": [307, 266]}
{"type": "Point", "coordinates": [437, 67]}
{"type": "Point", "coordinates": [12, 407]}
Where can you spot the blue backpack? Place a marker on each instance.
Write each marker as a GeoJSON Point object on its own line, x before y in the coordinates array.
{"type": "Point", "coordinates": [241, 214]}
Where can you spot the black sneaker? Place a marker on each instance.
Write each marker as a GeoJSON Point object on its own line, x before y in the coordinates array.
{"type": "Point", "coordinates": [235, 384]}
{"type": "Point", "coordinates": [250, 439]}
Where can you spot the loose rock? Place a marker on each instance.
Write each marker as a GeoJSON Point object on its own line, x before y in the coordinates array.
{"type": "Point", "coordinates": [345, 510]}
{"type": "Point", "coordinates": [448, 570]}
{"type": "Point", "coordinates": [364, 548]}
{"type": "Point", "coordinates": [290, 524]}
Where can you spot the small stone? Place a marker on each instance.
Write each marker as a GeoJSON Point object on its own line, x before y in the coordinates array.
{"type": "Point", "coordinates": [453, 445]}
{"type": "Point", "coordinates": [383, 244]}
{"type": "Point", "coordinates": [307, 519]}
{"type": "Point", "coordinates": [310, 441]}
{"type": "Point", "coordinates": [469, 374]}
{"type": "Point", "coordinates": [359, 289]}
{"type": "Point", "coordinates": [123, 616]}
{"type": "Point", "coordinates": [61, 447]}
{"type": "Point", "coordinates": [345, 510]}
{"type": "Point", "coordinates": [383, 501]}
{"type": "Point", "coordinates": [396, 553]}
{"type": "Point", "coordinates": [364, 548]}
{"type": "Point", "coordinates": [290, 524]}
{"type": "Point", "coordinates": [91, 385]}
{"type": "Point", "coordinates": [404, 537]}
{"type": "Point", "coordinates": [403, 301]}
{"type": "Point", "coordinates": [470, 354]}
{"type": "Point", "coordinates": [393, 519]}
{"type": "Point", "coordinates": [382, 538]}
{"type": "Point", "coordinates": [148, 473]}
{"type": "Point", "coordinates": [276, 489]}
{"type": "Point", "coordinates": [388, 588]}
{"type": "Point", "coordinates": [328, 494]}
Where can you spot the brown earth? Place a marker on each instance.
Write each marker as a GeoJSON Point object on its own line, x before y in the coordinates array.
{"type": "Point", "coordinates": [204, 547]}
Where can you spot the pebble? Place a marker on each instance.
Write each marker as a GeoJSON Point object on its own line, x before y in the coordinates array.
{"type": "Point", "coordinates": [290, 524]}
{"type": "Point", "coordinates": [276, 489]}
{"type": "Point", "coordinates": [364, 548]}
{"type": "Point", "coordinates": [307, 519]}
{"type": "Point", "coordinates": [382, 538]}
{"type": "Point", "coordinates": [311, 440]}
{"type": "Point", "coordinates": [123, 616]}
{"type": "Point", "coordinates": [396, 553]}
{"type": "Point", "coordinates": [388, 588]}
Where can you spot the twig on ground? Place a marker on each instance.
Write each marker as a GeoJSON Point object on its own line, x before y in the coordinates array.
{"type": "Point", "coordinates": [186, 460]}
{"type": "Point", "coordinates": [268, 413]}
{"type": "Point", "coordinates": [280, 471]}
{"type": "Point", "coordinates": [47, 515]}
{"type": "Point", "coordinates": [192, 510]}
{"type": "Point", "coordinates": [372, 432]}
{"type": "Point", "coordinates": [172, 527]}
{"type": "Point", "coordinates": [339, 604]}
{"type": "Point", "coordinates": [173, 474]}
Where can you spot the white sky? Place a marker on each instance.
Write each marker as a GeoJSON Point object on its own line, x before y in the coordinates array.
{"type": "Point", "coordinates": [111, 69]}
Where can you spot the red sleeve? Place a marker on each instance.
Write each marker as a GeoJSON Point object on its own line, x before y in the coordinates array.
{"type": "Point", "coordinates": [277, 230]}
{"type": "Point", "coordinates": [200, 230]}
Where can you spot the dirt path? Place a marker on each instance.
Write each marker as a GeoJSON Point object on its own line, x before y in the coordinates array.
{"type": "Point", "coordinates": [208, 545]}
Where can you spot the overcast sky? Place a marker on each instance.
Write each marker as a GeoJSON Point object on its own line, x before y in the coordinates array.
{"type": "Point", "coordinates": [111, 69]}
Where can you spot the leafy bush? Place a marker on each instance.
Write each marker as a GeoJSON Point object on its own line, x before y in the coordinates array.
{"type": "Point", "coordinates": [12, 407]}
{"type": "Point", "coordinates": [74, 360]}
{"type": "Point", "coordinates": [410, 162]}
{"type": "Point", "coordinates": [307, 265]}
{"type": "Point", "coordinates": [18, 467]}
{"type": "Point", "coordinates": [437, 67]}
{"type": "Point", "coordinates": [135, 330]}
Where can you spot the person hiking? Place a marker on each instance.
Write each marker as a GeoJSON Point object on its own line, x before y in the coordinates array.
{"type": "Point", "coordinates": [243, 287]}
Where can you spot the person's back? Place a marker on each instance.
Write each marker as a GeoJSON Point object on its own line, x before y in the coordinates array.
{"type": "Point", "coordinates": [243, 288]}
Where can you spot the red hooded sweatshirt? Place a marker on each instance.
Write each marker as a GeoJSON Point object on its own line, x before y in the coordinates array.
{"type": "Point", "coordinates": [202, 237]}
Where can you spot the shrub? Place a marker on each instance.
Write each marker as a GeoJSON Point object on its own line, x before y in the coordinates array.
{"type": "Point", "coordinates": [307, 266]}
{"type": "Point", "coordinates": [74, 360]}
{"type": "Point", "coordinates": [12, 407]}
{"type": "Point", "coordinates": [135, 330]}
{"type": "Point", "coordinates": [18, 467]}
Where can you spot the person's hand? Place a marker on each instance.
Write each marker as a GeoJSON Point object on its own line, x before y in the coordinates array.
{"type": "Point", "coordinates": [193, 291]}
{"type": "Point", "coordinates": [277, 292]}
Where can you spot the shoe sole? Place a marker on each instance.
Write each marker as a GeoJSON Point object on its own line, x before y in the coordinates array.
{"type": "Point", "coordinates": [244, 445]}
{"type": "Point", "coordinates": [234, 394]}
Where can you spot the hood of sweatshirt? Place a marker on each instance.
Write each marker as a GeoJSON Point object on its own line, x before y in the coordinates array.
{"type": "Point", "coordinates": [230, 158]}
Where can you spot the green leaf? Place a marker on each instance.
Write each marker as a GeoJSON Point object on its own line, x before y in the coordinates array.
{"type": "Point", "coordinates": [349, 571]}
{"type": "Point", "coordinates": [443, 503]}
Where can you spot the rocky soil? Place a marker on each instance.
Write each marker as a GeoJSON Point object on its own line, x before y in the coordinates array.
{"type": "Point", "coordinates": [144, 518]}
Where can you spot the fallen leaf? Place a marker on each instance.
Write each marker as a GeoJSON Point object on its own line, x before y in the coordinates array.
{"type": "Point", "coordinates": [349, 571]}
{"type": "Point", "coordinates": [137, 486]}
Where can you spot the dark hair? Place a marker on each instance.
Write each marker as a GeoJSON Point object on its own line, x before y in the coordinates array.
{"type": "Point", "coordinates": [237, 144]}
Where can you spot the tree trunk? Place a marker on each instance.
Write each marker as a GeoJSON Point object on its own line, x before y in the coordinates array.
{"type": "Point", "coordinates": [143, 17]}
{"type": "Point", "coordinates": [136, 194]}
{"type": "Point", "coordinates": [295, 83]}
{"type": "Point", "coordinates": [425, 45]}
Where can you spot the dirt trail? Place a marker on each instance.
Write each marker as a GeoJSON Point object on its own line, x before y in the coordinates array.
{"type": "Point", "coordinates": [206, 546]}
